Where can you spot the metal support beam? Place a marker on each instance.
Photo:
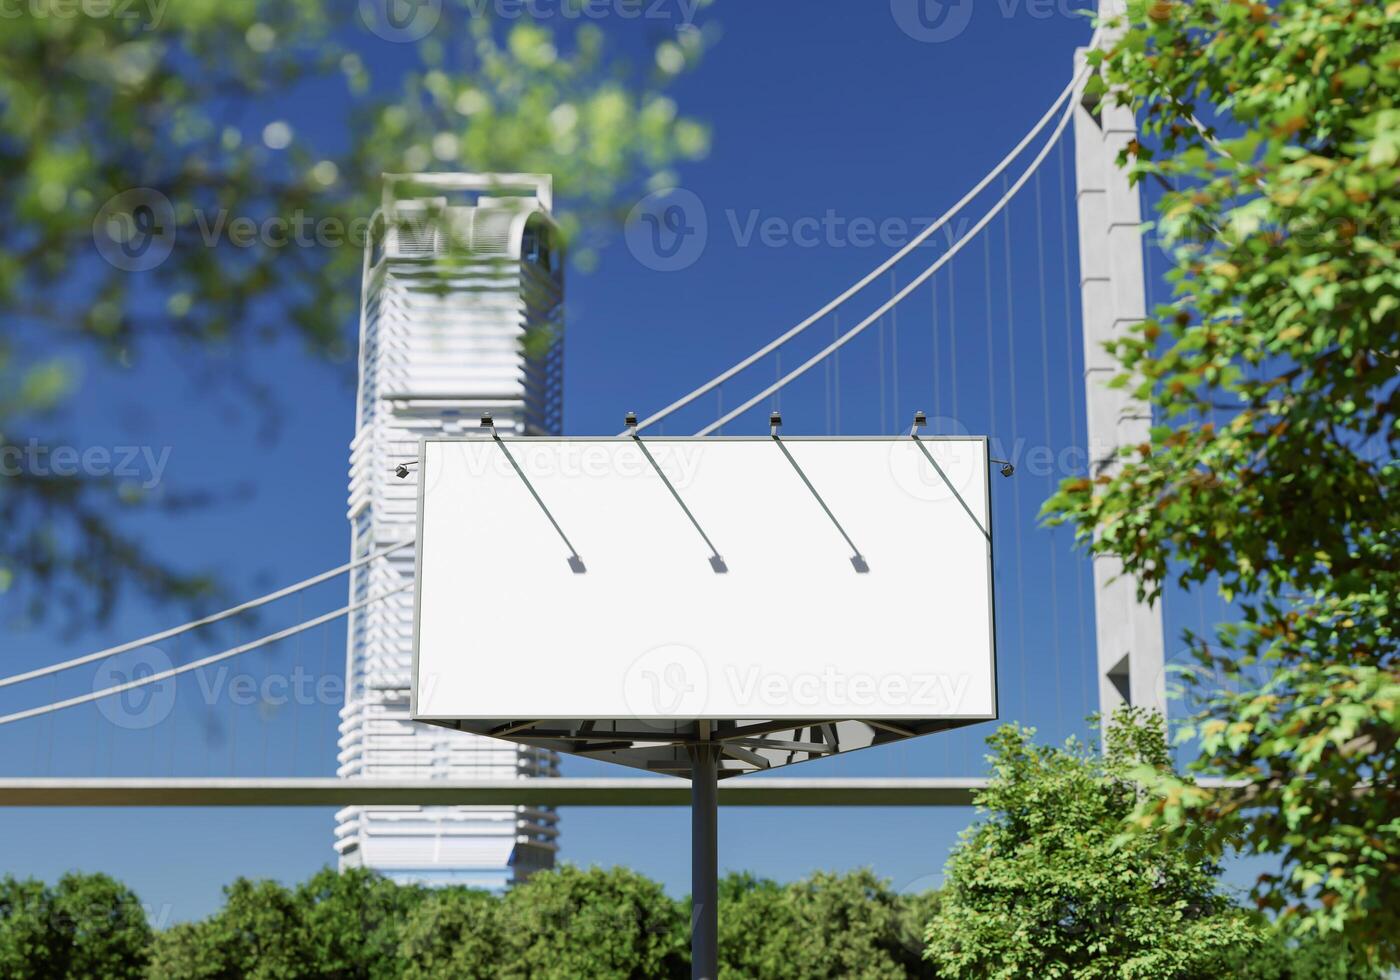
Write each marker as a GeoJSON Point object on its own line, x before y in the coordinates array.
{"type": "Point", "coordinates": [704, 861]}
{"type": "Point", "coordinates": [1128, 632]}
{"type": "Point", "coordinates": [535, 791]}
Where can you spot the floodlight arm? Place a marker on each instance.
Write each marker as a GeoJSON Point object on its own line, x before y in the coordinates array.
{"type": "Point", "coordinates": [857, 559]}
{"type": "Point", "coordinates": [575, 561]}
{"type": "Point", "coordinates": [1008, 468]}
{"type": "Point", "coordinates": [716, 562]}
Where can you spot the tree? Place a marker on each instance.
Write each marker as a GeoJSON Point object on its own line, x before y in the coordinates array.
{"type": "Point", "coordinates": [1284, 330]}
{"type": "Point", "coordinates": [86, 926]}
{"type": "Point", "coordinates": [1044, 886]}
{"type": "Point", "coordinates": [824, 926]}
{"type": "Point", "coordinates": [184, 951]}
{"type": "Point", "coordinates": [360, 925]}
{"type": "Point", "coordinates": [152, 128]}
{"type": "Point", "coordinates": [354, 922]}
{"type": "Point", "coordinates": [259, 934]}
{"type": "Point", "coordinates": [454, 934]}
{"type": "Point", "coordinates": [752, 913]}
{"type": "Point", "coordinates": [564, 923]}
{"type": "Point", "coordinates": [335, 926]}
{"type": "Point", "coordinates": [610, 924]}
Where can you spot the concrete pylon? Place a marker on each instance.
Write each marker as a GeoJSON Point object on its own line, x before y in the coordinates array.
{"type": "Point", "coordinates": [1129, 633]}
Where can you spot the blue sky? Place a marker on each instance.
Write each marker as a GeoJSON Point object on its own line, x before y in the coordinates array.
{"type": "Point", "coordinates": [825, 116]}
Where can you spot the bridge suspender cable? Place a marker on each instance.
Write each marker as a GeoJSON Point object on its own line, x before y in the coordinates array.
{"type": "Point", "coordinates": [918, 280]}
{"type": "Point", "coordinates": [1070, 90]}
{"type": "Point", "coordinates": [202, 662]}
{"type": "Point", "coordinates": [207, 620]}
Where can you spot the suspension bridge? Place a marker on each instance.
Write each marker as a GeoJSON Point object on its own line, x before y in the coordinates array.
{"type": "Point", "coordinates": [927, 353]}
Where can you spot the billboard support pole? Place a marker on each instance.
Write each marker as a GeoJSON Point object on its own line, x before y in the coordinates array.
{"type": "Point", "coordinates": [704, 860]}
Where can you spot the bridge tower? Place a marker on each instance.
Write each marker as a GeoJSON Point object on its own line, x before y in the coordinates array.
{"type": "Point", "coordinates": [1113, 285]}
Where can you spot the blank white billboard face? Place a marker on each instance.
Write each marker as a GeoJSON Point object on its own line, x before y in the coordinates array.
{"type": "Point", "coordinates": [704, 579]}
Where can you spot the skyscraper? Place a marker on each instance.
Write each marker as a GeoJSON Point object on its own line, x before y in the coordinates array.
{"type": "Point", "coordinates": [461, 314]}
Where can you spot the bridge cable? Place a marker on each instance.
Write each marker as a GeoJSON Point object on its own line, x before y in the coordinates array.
{"type": "Point", "coordinates": [1070, 91]}
{"type": "Point", "coordinates": [1052, 537]}
{"type": "Point", "coordinates": [915, 283]}
{"type": "Point", "coordinates": [207, 620]}
{"type": "Point", "coordinates": [202, 662]}
{"type": "Point", "coordinates": [1009, 450]}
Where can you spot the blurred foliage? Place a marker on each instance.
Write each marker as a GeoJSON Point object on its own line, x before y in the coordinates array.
{"type": "Point", "coordinates": [168, 120]}
{"type": "Point", "coordinates": [1281, 957]}
{"type": "Point", "coordinates": [1285, 330]}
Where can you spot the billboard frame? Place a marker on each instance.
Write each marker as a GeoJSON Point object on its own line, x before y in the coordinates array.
{"type": "Point", "coordinates": [604, 740]}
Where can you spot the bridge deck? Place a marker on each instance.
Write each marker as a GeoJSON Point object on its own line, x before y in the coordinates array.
{"type": "Point", "coordinates": [635, 791]}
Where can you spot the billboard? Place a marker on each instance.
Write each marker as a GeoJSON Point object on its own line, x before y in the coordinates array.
{"type": "Point", "coordinates": [623, 585]}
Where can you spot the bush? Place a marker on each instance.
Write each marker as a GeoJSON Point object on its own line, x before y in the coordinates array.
{"type": "Point", "coordinates": [86, 926]}
{"type": "Point", "coordinates": [1048, 885]}
{"type": "Point", "coordinates": [454, 934]}
{"type": "Point", "coordinates": [827, 925]}
{"type": "Point", "coordinates": [618, 925]}
{"type": "Point", "coordinates": [570, 923]}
